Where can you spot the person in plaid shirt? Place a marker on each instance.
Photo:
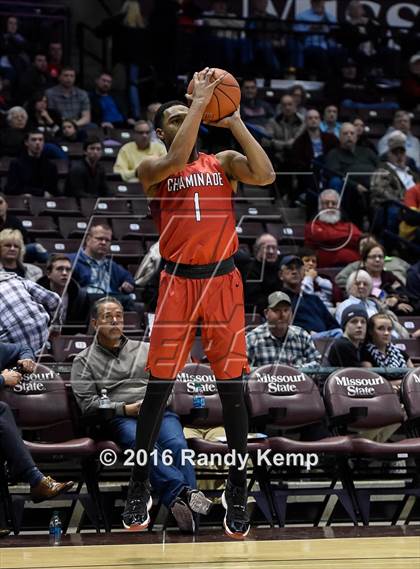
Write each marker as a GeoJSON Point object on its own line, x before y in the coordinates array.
{"type": "Point", "coordinates": [277, 341]}
{"type": "Point", "coordinates": [26, 309]}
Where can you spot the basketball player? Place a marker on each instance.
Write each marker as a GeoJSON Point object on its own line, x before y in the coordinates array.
{"type": "Point", "coordinates": [190, 197]}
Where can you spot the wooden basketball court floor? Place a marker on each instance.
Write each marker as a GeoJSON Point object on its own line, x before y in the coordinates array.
{"type": "Point", "coordinates": [291, 548]}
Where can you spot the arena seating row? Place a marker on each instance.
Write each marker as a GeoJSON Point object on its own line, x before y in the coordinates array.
{"type": "Point", "coordinates": [279, 398]}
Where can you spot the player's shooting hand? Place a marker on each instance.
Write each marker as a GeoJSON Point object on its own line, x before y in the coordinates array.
{"type": "Point", "coordinates": [227, 122]}
{"type": "Point", "coordinates": [203, 86]}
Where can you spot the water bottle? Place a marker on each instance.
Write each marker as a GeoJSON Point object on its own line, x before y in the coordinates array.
{"type": "Point", "coordinates": [199, 401]}
{"type": "Point", "coordinates": [55, 529]}
{"type": "Point", "coordinates": [104, 401]}
{"type": "Point", "coordinates": [105, 405]}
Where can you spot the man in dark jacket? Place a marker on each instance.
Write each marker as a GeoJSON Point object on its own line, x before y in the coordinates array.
{"type": "Point", "coordinates": [262, 277]}
{"type": "Point", "coordinates": [86, 178]}
{"type": "Point", "coordinates": [32, 173]}
{"type": "Point", "coordinates": [312, 143]}
{"type": "Point", "coordinates": [12, 447]}
{"type": "Point", "coordinates": [105, 109]}
{"type": "Point", "coordinates": [75, 300]}
{"type": "Point", "coordinates": [309, 312]}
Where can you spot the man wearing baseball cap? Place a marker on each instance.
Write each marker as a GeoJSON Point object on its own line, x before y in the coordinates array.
{"type": "Point", "coordinates": [392, 180]}
{"type": "Point", "coordinates": [345, 351]}
{"type": "Point", "coordinates": [309, 311]}
{"type": "Point", "coordinates": [277, 341]}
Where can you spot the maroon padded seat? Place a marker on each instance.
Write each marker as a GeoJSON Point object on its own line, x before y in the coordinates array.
{"type": "Point", "coordinates": [18, 205]}
{"type": "Point", "coordinates": [410, 394]}
{"type": "Point", "coordinates": [128, 228]}
{"type": "Point", "coordinates": [42, 406]}
{"type": "Point", "coordinates": [286, 233]}
{"type": "Point", "coordinates": [282, 396]}
{"type": "Point", "coordinates": [120, 189]}
{"type": "Point", "coordinates": [54, 206]}
{"type": "Point", "coordinates": [73, 149]}
{"type": "Point", "coordinates": [111, 206]}
{"type": "Point", "coordinates": [72, 226]}
{"type": "Point", "coordinates": [40, 226]}
{"type": "Point", "coordinates": [58, 245]}
{"type": "Point", "coordinates": [66, 348]}
{"type": "Point", "coordinates": [249, 230]}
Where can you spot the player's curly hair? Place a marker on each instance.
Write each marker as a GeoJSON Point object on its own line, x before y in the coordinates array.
{"type": "Point", "coordinates": [162, 109]}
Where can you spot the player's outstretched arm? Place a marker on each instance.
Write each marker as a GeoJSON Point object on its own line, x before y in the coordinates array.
{"type": "Point", "coordinates": [253, 168]}
{"type": "Point", "coordinates": [151, 171]}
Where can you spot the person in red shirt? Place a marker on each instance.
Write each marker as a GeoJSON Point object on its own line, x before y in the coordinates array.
{"type": "Point", "coordinates": [190, 197]}
{"type": "Point", "coordinates": [335, 240]}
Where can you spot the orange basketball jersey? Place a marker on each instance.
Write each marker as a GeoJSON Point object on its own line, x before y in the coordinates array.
{"type": "Point", "coordinates": [193, 210]}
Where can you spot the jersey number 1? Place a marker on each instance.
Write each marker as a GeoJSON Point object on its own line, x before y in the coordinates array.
{"type": "Point", "coordinates": [197, 207]}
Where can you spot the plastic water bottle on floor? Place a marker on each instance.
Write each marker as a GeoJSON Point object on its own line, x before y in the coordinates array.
{"type": "Point", "coordinates": [199, 401]}
{"type": "Point", "coordinates": [55, 529]}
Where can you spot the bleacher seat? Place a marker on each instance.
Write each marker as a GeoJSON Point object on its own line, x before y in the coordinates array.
{"type": "Point", "coordinates": [73, 149]}
{"type": "Point", "coordinates": [72, 226]}
{"type": "Point", "coordinates": [18, 205]}
{"type": "Point", "coordinates": [286, 233]}
{"type": "Point", "coordinates": [286, 399]}
{"type": "Point", "coordinates": [125, 252]}
{"type": "Point", "coordinates": [411, 346]}
{"type": "Point", "coordinates": [54, 206]}
{"type": "Point", "coordinates": [65, 348]}
{"type": "Point", "coordinates": [40, 226]}
{"type": "Point", "coordinates": [410, 323]}
{"type": "Point", "coordinates": [119, 188]}
{"type": "Point", "coordinates": [112, 206]}
{"type": "Point", "coordinates": [60, 245]}
{"type": "Point", "coordinates": [249, 230]}
{"type": "Point", "coordinates": [132, 228]}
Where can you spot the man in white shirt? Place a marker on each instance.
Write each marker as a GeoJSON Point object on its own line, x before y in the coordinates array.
{"type": "Point", "coordinates": [402, 122]}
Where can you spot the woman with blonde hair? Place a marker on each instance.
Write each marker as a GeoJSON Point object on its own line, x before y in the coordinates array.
{"type": "Point", "coordinates": [12, 251]}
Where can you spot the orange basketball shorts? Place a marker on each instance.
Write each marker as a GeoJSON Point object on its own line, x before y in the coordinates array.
{"type": "Point", "coordinates": [217, 305]}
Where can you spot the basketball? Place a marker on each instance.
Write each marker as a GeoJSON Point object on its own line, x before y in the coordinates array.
{"type": "Point", "coordinates": [226, 97]}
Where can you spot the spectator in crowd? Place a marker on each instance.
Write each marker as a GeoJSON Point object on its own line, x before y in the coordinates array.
{"type": "Point", "coordinates": [13, 449]}
{"type": "Point", "coordinates": [224, 41]}
{"type": "Point", "coordinates": [32, 173]}
{"type": "Point", "coordinates": [262, 276]}
{"type": "Point", "coordinates": [312, 143]}
{"type": "Point", "coordinates": [277, 341]}
{"type": "Point", "coordinates": [14, 49]}
{"type": "Point", "coordinates": [330, 123]}
{"type": "Point", "coordinates": [358, 164]}
{"type": "Point", "coordinates": [410, 85]}
{"type": "Point", "coordinates": [41, 118]}
{"type": "Point", "coordinates": [359, 288]}
{"type": "Point", "coordinates": [35, 78]}
{"type": "Point", "coordinates": [9, 221]}
{"type": "Point", "coordinates": [12, 251]}
{"type": "Point", "coordinates": [362, 138]}
{"type": "Point", "coordinates": [379, 350]}
{"type": "Point", "coordinates": [318, 48]}
{"type": "Point", "coordinates": [55, 59]}
{"type": "Point", "coordinates": [391, 182]}
{"type": "Point", "coordinates": [346, 351]}
{"type": "Point", "coordinates": [87, 178]}
{"type": "Point", "coordinates": [409, 226]}
{"type": "Point", "coordinates": [118, 364]}
{"type": "Point", "coordinates": [309, 311]}
{"type": "Point", "coordinates": [393, 264]}
{"type": "Point", "coordinates": [283, 131]}
{"type": "Point", "coordinates": [315, 283]}
{"type": "Point", "coordinates": [74, 299]}
{"type": "Point", "coordinates": [359, 34]}
{"type": "Point", "coordinates": [70, 132]}
{"type": "Point", "coordinates": [98, 273]}
{"type": "Point", "coordinates": [300, 97]}
{"type": "Point", "coordinates": [131, 154]}
{"type": "Point", "coordinates": [385, 284]}
{"type": "Point", "coordinates": [106, 110]}
{"type": "Point", "coordinates": [335, 240]}
{"type": "Point", "coordinates": [151, 111]}
{"type": "Point", "coordinates": [402, 122]}
{"type": "Point", "coordinates": [265, 38]}
{"type": "Point", "coordinates": [254, 111]}
{"type": "Point", "coordinates": [413, 285]}
{"type": "Point", "coordinates": [12, 137]}
{"type": "Point", "coordinates": [26, 309]}
{"type": "Point", "coordinates": [70, 101]}
{"type": "Point", "coordinates": [350, 89]}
